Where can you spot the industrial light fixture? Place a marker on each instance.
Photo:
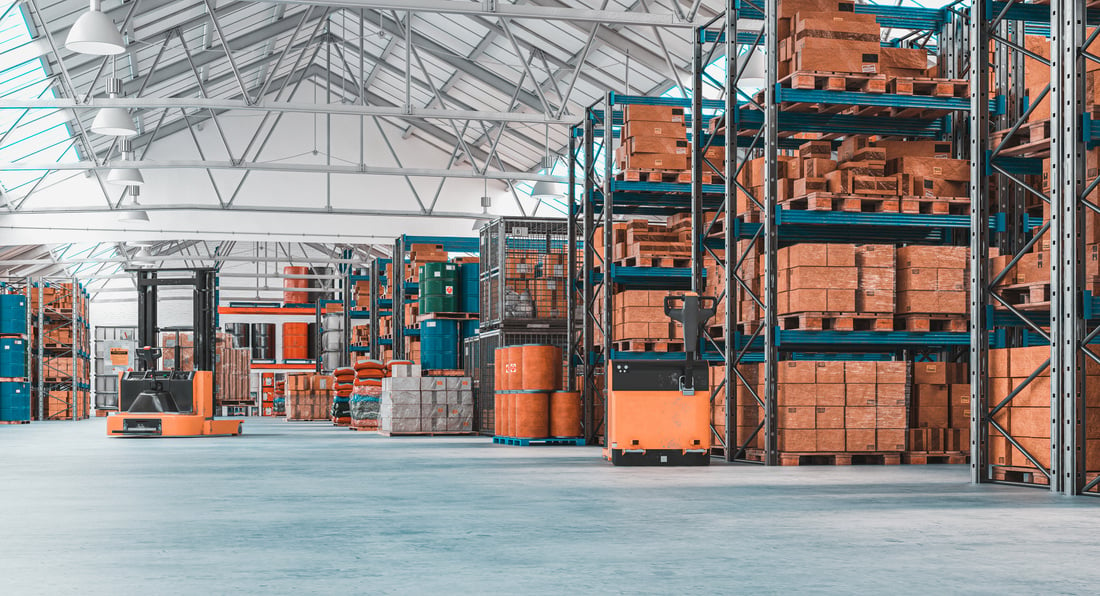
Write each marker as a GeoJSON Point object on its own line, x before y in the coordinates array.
{"type": "Point", "coordinates": [114, 122]}
{"type": "Point", "coordinates": [755, 74]}
{"type": "Point", "coordinates": [135, 214]}
{"type": "Point", "coordinates": [95, 33]}
{"type": "Point", "coordinates": [548, 190]}
{"type": "Point", "coordinates": [486, 202]}
{"type": "Point", "coordinates": [125, 176]}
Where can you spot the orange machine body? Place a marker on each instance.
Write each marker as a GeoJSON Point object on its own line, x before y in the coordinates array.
{"type": "Point", "coordinates": [655, 418]}
{"type": "Point", "coordinates": [197, 423]}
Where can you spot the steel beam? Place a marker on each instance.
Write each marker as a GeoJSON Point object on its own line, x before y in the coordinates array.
{"type": "Point", "coordinates": [494, 8]}
{"type": "Point", "coordinates": [284, 167]}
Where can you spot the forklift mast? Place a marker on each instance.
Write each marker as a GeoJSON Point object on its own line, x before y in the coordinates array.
{"type": "Point", "coordinates": [204, 307]}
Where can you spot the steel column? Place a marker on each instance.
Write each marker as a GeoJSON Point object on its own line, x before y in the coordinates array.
{"type": "Point", "coordinates": [979, 242]}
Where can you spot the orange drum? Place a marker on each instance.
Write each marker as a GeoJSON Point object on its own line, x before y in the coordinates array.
{"type": "Point", "coordinates": [512, 358]}
{"type": "Point", "coordinates": [565, 414]}
{"type": "Point", "coordinates": [295, 341]}
{"type": "Point", "coordinates": [542, 368]}
{"type": "Point", "coordinates": [498, 415]}
{"type": "Point", "coordinates": [508, 421]}
{"type": "Point", "coordinates": [532, 415]}
{"type": "Point", "coordinates": [290, 296]}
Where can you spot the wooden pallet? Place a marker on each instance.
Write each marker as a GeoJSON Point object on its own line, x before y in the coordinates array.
{"type": "Point", "coordinates": [650, 176]}
{"type": "Point", "coordinates": [935, 206]}
{"type": "Point", "coordinates": [649, 345]}
{"type": "Point", "coordinates": [1019, 475]}
{"type": "Point", "coordinates": [1032, 139]}
{"type": "Point", "coordinates": [15, 421]}
{"type": "Point", "coordinates": [881, 458]}
{"type": "Point", "coordinates": [432, 433]}
{"type": "Point", "coordinates": [826, 201]}
{"type": "Point", "coordinates": [447, 316]}
{"type": "Point", "coordinates": [1029, 296]}
{"type": "Point", "coordinates": [828, 321]}
{"type": "Point", "coordinates": [925, 323]}
{"type": "Point", "coordinates": [448, 372]}
{"type": "Point", "coordinates": [928, 86]}
{"type": "Point", "coordinates": [836, 81]}
{"type": "Point", "coordinates": [920, 458]}
{"type": "Point", "coordinates": [654, 261]}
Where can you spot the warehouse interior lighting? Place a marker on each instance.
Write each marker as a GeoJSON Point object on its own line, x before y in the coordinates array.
{"type": "Point", "coordinates": [137, 213]}
{"type": "Point", "coordinates": [548, 190]}
{"type": "Point", "coordinates": [755, 74]}
{"type": "Point", "coordinates": [126, 176]}
{"type": "Point", "coordinates": [95, 33]}
{"type": "Point", "coordinates": [114, 122]}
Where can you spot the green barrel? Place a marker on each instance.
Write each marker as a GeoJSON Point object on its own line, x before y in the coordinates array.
{"type": "Point", "coordinates": [438, 288]}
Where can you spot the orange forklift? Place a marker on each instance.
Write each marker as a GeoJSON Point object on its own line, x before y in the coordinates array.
{"type": "Point", "coordinates": [171, 403]}
{"type": "Point", "coordinates": [659, 410]}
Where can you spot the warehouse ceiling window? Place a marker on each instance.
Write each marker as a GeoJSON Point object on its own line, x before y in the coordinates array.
{"type": "Point", "coordinates": [28, 135]}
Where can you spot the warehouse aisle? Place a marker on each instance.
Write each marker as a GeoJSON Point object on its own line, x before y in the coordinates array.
{"type": "Point", "coordinates": [306, 508]}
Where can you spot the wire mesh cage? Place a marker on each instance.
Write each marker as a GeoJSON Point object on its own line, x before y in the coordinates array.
{"type": "Point", "coordinates": [524, 271]}
{"type": "Point", "coordinates": [480, 361]}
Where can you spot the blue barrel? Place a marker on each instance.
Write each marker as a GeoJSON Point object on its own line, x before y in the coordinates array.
{"type": "Point", "coordinates": [13, 357]}
{"type": "Point", "coordinates": [469, 328]}
{"type": "Point", "coordinates": [15, 402]}
{"type": "Point", "coordinates": [468, 285]}
{"type": "Point", "coordinates": [13, 314]}
{"type": "Point", "coordinates": [439, 344]}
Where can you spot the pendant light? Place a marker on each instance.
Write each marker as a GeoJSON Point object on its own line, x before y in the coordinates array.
{"type": "Point", "coordinates": [95, 33]}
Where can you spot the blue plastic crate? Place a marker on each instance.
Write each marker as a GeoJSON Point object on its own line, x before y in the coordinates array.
{"type": "Point", "coordinates": [13, 357]}
{"type": "Point", "coordinates": [15, 402]}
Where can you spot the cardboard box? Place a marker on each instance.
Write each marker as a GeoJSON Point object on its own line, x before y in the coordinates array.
{"type": "Point", "coordinates": [859, 417]}
{"type": "Point", "coordinates": [634, 112]}
{"type": "Point", "coordinates": [797, 440]}
{"type": "Point", "coordinates": [833, 55]}
{"type": "Point", "coordinates": [860, 439]}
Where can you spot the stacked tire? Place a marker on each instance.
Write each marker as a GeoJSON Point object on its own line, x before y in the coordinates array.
{"type": "Point", "coordinates": [366, 396]}
{"type": "Point", "coordinates": [341, 404]}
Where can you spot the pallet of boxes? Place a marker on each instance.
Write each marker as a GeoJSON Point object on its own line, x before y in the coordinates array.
{"type": "Point", "coordinates": [828, 411]}
{"type": "Point", "coordinates": [412, 404]}
{"type": "Point", "coordinates": [655, 148]}
{"type": "Point", "coordinates": [825, 44]}
{"type": "Point", "coordinates": [309, 397]}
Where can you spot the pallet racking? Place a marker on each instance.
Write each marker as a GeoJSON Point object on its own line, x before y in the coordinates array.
{"type": "Point", "coordinates": [1003, 186]}
{"type": "Point", "coordinates": [406, 292]}
{"type": "Point", "coordinates": [62, 349]}
{"type": "Point", "coordinates": [763, 126]}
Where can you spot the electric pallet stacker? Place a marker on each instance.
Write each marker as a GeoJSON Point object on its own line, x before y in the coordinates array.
{"type": "Point", "coordinates": [659, 410]}
{"type": "Point", "coordinates": [171, 403]}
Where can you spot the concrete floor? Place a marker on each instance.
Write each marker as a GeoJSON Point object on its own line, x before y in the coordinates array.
{"type": "Point", "coordinates": [304, 508]}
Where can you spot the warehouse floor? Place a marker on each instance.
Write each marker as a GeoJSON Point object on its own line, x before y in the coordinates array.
{"type": "Point", "coordinates": [303, 507]}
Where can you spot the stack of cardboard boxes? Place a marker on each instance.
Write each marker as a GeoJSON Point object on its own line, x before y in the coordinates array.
{"type": "Point", "coordinates": [933, 280]}
{"type": "Point", "coordinates": [232, 365]}
{"type": "Point", "coordinates": [864, 175]}
{"type": "Point", "coordinates": [828, 36]}
{"type": "Point", "coordinates": [939, 414]}
{"type": "Point", "coordinates": [827, 407]}
{"type": "Point", "coordinates": [309, 397]}
{"type": "Point", "coordinates": [412, 404]}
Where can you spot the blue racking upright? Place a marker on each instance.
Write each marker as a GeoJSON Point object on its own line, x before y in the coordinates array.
{"type": "Point", "coordinates": [763, 125]}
